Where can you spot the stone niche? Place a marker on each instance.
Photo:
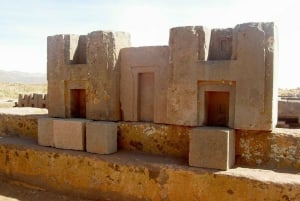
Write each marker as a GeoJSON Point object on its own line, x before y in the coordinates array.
{"type": "Point", "coordinates": [144, 81]}
{"type": "Point", "coordinates": [84, 75]}
{"type": "Point", "coordinates": [217, 100]}
{"type": "Point", "coordinates": [223, 77]}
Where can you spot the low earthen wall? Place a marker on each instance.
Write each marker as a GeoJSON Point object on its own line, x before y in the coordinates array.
{"type": "Point", "coordinates": [136, 177]}
{"type": "Point", "coordinates": [20, 122]}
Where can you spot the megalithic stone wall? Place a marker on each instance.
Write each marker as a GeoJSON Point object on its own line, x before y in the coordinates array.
{"type": "Point", "coordinates": [83, 75]}
{"type": "Point", "coordinates": [205, 77]}
{"type": "Point", "coordinates": [33, 100]}
{"type": "Point", "coordinates": [223, 75]}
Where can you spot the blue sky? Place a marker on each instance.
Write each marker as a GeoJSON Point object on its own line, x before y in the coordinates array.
{"type": "Point", "coordinates": [25, 25]}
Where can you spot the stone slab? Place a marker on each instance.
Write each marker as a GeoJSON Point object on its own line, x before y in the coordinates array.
{"type": "Point", "coordinates": [69, 133]}
{"type": "Point", "coordinates": [101, 137]}
{"type": "Point", "coordinates": [212, 147]}
{"type": "Point", "coordinates": [45, 132]}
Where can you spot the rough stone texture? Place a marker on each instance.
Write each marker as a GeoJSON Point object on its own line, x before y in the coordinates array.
{"type": "Point", "coordinates": [69, 133]}
{"type": "Point", "coordinates": [20, 121]}
{"type": "Point", "coordinates": [248, 75]}
{"type": "Point", "coordinates": [136, 62]}
{"type": "Point", "coordinates": [289, 109]}
{"type": "Point", "coordinates": [90, 64]}
{"type": "Point", "coordinates": [212, 148]}
{"type": "Point", "coordinates": [101, 137]}
{"type": "Point", "coordinates": [253, 148]}
{"type": "Point", "coordinates": [279, 149]}
{"type": "Point", "coordinates": [170, 85]}
{"type": "Point", "coordinates": [169, 140]}
{"type": "Point", "coordinates": [136, 177]}
{"type": "Point", "coordinates": [45, 132]}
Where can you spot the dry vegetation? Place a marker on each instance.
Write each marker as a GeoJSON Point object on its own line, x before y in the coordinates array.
{"type": "Point", "coordinates": [289, 92]}
{"type": "Point", "coordinates": [12, 90]}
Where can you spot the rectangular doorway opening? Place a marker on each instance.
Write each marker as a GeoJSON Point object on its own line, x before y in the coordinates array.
{"type": "Point", "coordinates": [217, 108]}
{"type": "Point", "coordinates": [78, 103]}
{"type": "Point", "coordinates": [145, 96]}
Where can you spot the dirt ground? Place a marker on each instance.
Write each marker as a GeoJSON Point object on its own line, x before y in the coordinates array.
{"type": "Point", "coordinates": [13, 191]}
{"type": "Point", "coordinates": [7, 103]}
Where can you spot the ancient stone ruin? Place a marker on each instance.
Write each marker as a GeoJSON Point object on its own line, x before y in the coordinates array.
{"type": "Point", "coordinates": [32, 100]}
{"type": "Point", "coordinates": [217, 81]}
{"type": "Point", "coordinates": [160, 123]}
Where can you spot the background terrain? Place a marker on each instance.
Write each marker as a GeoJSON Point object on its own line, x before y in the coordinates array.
{"type": "Point", "coordinates": [13, 83]}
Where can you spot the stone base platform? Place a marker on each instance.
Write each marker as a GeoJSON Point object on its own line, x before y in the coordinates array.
{"type": "Point", "coordinates": [277, 149]}
{"type": "Point", "coordinates": [20, 122]}
{"type": "Point", "coordinates": [135, 176]}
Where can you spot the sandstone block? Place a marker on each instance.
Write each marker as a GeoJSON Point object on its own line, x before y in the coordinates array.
{"type": "Point", "coordinates": [45, 131]}
{"type": "Point", "coordinates": [69, 133]}
{"type": "Point", "coordinates": [101, 137]}
{"type": "Point", "coordinates": [212, 147]}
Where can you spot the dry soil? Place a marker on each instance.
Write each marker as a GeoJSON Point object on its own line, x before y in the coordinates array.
{"type": "Point", "coordinates": [14, 191]}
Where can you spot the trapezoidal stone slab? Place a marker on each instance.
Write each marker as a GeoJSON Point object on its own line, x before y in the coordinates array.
{"type": "Point", "coordinates": [69, 133]}
{"type": "Point", "coordinates": [101, 137]}
{"type": "Point", "coordinates": [212, 147]}
{"type": "Point", "coordinates": [45, 132]}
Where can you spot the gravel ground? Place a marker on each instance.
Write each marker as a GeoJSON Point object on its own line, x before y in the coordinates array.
{"type": "Point", "coordinates": [14, 191]}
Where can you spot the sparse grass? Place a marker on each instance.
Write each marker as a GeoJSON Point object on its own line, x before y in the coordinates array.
{"type": "Point", "coordinates": [12, 90]}
{"type": "Point", "coordinates": [289, 92]}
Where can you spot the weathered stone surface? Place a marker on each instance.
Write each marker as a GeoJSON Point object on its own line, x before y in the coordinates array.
{"type": "Point", "coordinates": [144, 83]}
{"type": "Point", "coordinates": [253, 148]}
{"type": "Point", "coordinates": [152, 138]}
{"type": "Point", "coordinates": [247, 75]}
{"type": "Point", "coordinates": [278, 149]}
{"type": "Point", "coordinates": [289, 109]}
{"type": "Point", "coordinates": [45, 132]}
{"type": "Point", "coordinates": [20, 122]}
{"type": "Point", "coordinates": [135, 177]}
{"type": "Point", "coordinates": [69, 133]}
{"type": "Point", "coordinates": [84, 73]}
{"type": "Point", "coordinates": [212, 147]}
{"type": "Point", "coordinates": [101, 137]}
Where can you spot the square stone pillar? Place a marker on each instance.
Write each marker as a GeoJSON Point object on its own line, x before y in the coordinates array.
{"type": "Point", "coordinates": [101, 137]}
{"type": "Point", "coordinates": [45, 132]}
{"type": "Point", "coordinates": [69, 133]}
{"type": "Point", "coordinates": [212, 147]}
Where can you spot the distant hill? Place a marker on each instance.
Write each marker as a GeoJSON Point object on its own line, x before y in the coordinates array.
{"type": "Point", "coordinates": [22, 77]}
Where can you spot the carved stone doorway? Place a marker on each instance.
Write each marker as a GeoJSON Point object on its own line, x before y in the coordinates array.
{"type": "Point", "coordinates": [217, 108]}
{"type": "Point", "coordinates": [146, 97]}
{"type": "Point", "coordinates": [78, 103]}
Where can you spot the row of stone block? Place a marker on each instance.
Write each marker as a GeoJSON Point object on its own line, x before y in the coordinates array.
{"type": "Point", "coordinates": [33, 100]}
{"type": "Point", "coordinates": [209, 147]}
{"type": "Point", "coordinates": [78, 134]}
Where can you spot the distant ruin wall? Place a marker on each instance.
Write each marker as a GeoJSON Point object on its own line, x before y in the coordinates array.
{"type": "Point", "coordinates": [33, 100]}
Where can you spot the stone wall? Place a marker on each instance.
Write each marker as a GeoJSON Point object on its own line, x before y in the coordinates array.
{"type": "Point", "coordinates": [238, 65]}
{"type": "Point", "coordinates": [83, 75]}
{"type": "Point", "coordinates": [205, 77]}
{"type": "Point", "coordinates": [33, 100]}
{"type": "Point", "coordinates": [144, 82]}
{"type": "Point", "coordinates": [266, 149]}
{"type": "Point", "coordinates": [21, 122]}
